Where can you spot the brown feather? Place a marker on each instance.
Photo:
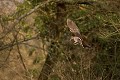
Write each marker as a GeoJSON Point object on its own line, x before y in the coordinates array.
{"type": "Point", "coordinates": [72, 26]}
{"type": "Point", "coordinates": [75, 30]}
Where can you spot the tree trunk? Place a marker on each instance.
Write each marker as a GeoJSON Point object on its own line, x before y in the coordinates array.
{"type": "Point", "coordinates": [54, 53]}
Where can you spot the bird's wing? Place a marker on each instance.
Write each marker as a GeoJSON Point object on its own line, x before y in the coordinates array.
{"type": "Point", "coordinates": [72, 26]}
{"type": "Point", "coordinates": [75, 30]}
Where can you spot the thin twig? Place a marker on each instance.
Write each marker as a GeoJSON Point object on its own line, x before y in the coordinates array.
{"type": "Point", "coordinates": [20, 42]}
{"type": "Point", "coordinates": [15, 34]}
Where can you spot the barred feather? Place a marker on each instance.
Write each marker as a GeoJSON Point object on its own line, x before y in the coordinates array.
{"type": "Point", "coordinates": [75, 30]}
{"type": "Point", "coordinates": [72, 26]}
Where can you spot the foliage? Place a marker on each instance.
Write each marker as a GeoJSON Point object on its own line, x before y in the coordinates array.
{"type": "Point", "coordinates": [98, 22]}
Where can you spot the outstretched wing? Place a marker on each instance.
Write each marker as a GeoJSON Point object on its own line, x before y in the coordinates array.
{"type": "Point", "coordinates": [72, 26]}
{"type": "Point", "coordinates": [75, 30]}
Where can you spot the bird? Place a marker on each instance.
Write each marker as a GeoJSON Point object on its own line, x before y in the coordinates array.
{"type": "Point", "coordinates": [76, 36]}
